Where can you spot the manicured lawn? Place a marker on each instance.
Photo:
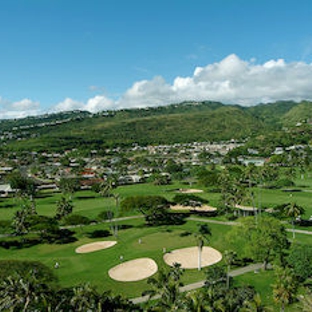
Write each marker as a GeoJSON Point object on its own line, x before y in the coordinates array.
{"type": "Point", "coordinates": [93, 267]}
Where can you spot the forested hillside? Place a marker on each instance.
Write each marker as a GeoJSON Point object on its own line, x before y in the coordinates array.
{"type": "Point", "coordinates": [176, 123]}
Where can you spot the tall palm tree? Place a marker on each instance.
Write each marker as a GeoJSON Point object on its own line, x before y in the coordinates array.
{"type": "Point", "coordinates": [285, 286]}
{"type": "Point", "coordinates": [64, 208]}
{"type": "Point", "coordinates": [293, 210]}
{"type": "Point", "coordinates": [19, 222]}
{"type": "Point", "coordinates": [167, 286]}
{"type": "Point", "coordinates": [201, 237]}
{"type": "Point", "coordinates": [229, 257]}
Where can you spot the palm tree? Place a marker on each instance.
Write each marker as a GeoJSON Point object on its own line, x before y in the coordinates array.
{"type": "Point", "coordinates": [285, 287]}
{"type": "Point", "coordinates": [23, 293]}
{"type": "Point", "coordinates": [84, 298]}
{"type": "Point", "coordinates": [167, 287]}
{"type": "Point", "coordinates": [306, 301]}
{"type": "Point", "coordinates": [254, 305]}
{"type": "Point", "coordinates": [293, 210]}
{"type": "Point", "coordinates": [20, 224]}
{"type": "Point", "coordinates": [196, 301]}
{"type": "Point", "coordinates": [229, 257]}
{"type": "Point", "coordinates": [201, 237]}
{"type": "Point", "coordinates": [64, 208]}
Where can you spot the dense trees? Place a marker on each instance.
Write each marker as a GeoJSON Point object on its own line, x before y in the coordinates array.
{"type": "Point", "coordinates": [264, 240]}
{"type": "Point", "coordinates": [154, 208]}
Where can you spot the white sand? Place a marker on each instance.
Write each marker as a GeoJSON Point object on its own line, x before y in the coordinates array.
{"type": "Point", "coordinates": [199, 208]}
{"type": "Point", "coordinates": [134, 270]}
{"type": "Point", "coordinates": [188, 257]}
{"type": "Point", "coordinates": [95, 246]}
{"type": "Point", "coordinates": [245, 208]}
{"type": "Point", "coordinates": [188, 191]}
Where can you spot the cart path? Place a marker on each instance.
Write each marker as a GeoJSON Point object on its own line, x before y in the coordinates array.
{"type": "Point", "coordinates": [249, 268]}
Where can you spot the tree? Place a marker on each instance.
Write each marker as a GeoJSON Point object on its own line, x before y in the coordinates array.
{"type": "Point", "coordinates": [306, 301]}
{"type": "Point", "coordinates": [167, 287]}
{"type": "Point", "coordinates": [25, 188]}
{"type": "Point", "coordinates": [263, 241]}
{"type": "Point", "coordinates": [285, 286]}
{"type": "Point", "coordinates": [229, 257]}
{"type": "Point", "coordinates": [64, 208]}
{"type": "Point", "coordinates": [293, 210]}
{"type": "Point", "coordinates": [84, 298]}
{"type": "Point", "coordinates": [154, 208]}
{"type": "Point", "coordinates": [23, 293]}
{"type": "Point", "coordinates": [196, 301]}
{"type": "Point", "coordinates": [254, 305]}
{"type": "Point", "coordinates": [201, 237]}
{"type": "Point", "coordinates": [68, 186]}
{"type": "Point", "coordinates": [20, 223]}
{"type": "Point", "coordinates": [299, 259]}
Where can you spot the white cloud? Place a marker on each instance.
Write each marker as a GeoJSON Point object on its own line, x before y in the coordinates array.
{"type": "Point", "coordinates": [67, 105]}
{"type": "Point", "coordinates": [19, 109]}
{"type": "Point", "coordinates": [99, 103]}
{"type": "Point", "coordinates": [232, 81]}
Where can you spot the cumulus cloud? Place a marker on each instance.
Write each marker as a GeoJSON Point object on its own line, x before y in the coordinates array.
{"type": "Point", "coordinates": [231, 81]}
{"type": "Point", "coordinates": [19, 109]}
{"type": "Point", "coordinates": [95, 104]}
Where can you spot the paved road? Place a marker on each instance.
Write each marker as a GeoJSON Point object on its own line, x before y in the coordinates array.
{"type": "Point", "coordinates": [236, 272]}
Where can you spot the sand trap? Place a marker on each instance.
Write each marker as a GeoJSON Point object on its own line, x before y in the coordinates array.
{"type": "Point", "coordinates": [134, 270]}
{"type": "Point", "coordinates": [95, 246]}
{"type": "Point", "coordinates": [188, 191]}
{"type": "Point", "coordinates": [203, 208]}
{"type": "Point", "coordinates": [188, 257]}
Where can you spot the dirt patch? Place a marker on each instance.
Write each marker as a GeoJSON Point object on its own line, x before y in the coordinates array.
{"type": "Point", "coordinates": [95, 246]}
{"type": "Point", "coordinates": [188, 257]}
{"type": "Point", "coordinates": [134, 270]}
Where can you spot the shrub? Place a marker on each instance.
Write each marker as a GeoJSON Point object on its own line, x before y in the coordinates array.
{"type": "Point", "coordinates": [106, 215]}
{"type": "Point", "coordinates": [99, 233]}
{"type": "Point", "coordinates": [189, 200]}
{"type": "Point", "coordinates": [76, 219]}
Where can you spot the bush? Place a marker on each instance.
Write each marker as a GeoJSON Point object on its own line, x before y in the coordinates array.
{"type": "Point", "coordinates": [281, 183]}
{"type": "Point", "coordinates": [106, 215]}
{"type": "Point", "coordinates": [143, 203]}
{"type": "Point", "coordinates": [189, 200]}
{"type": "Point", "coordinates": [99, 233]}
{"type": "Point", "coordinates": [75, 219]}
{"type": "Point", "coordinates": [299, 259]}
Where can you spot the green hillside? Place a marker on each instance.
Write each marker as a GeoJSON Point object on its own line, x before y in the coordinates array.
{"type": "Point", "coordinates": [176, 123]}
{"type": "Point", "coordinates": [300, 113]}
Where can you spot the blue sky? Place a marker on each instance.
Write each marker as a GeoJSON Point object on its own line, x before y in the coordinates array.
{"type": "Point", "coordinates": [110, 54]}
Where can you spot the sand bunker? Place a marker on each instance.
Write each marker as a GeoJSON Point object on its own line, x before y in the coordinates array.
{"type": "Point", "coordinates": [134, 270]}
{"type": "Point", "coordinates": [188, 257]}
{"type": "Point", "coordinates": [203, 208]}
{"type": "Point", "coordinates": [188, 191]}
{"type": "Point", "coordinates": [95, 246]}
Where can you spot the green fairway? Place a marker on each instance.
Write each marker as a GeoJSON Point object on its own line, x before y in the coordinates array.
{"type": "Point", "coordinates": [93, 267]}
